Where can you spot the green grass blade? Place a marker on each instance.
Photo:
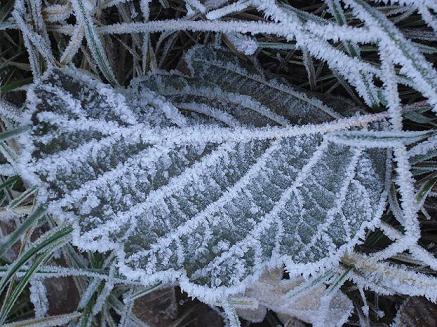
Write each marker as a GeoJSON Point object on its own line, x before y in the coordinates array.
{"type": "Point", "coordinates": [94, 42]}
{"type": "Point", "coordinates": [20, 230]}
{"type": "Point", "coordinates": [22, 197]}
{"type": "Point", "coordinates": [45, 243]}
{"type": "Point", "coordinates": [426, 188]}
{"type": "Point", "coordinates": [414, 63]}
{"type": "Point", "coordinates": [19, 288]}
{"type": "Point", "coordinates": [353, 50]}
{"type": "Point", "coordinates": [14, 132]}
{"type": "Point", "coordinates": [9, 182]}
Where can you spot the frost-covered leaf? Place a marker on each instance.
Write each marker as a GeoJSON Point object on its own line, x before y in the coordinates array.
{"type": "Point", "coordinates": [223, 69]}
{"type": "Point", "coordinates": [182, 196]}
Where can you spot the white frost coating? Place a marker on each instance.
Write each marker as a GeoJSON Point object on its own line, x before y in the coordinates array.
{"type": "Point", "coordinates": [239, 5]}
{"type": "Point", "coordinates": [107, 289]}
{"type": "Point", "coordinates": [196, 4]}
{"type": "Point", "coordinates": [38, 297]}
{"type": "Point", "coordinates": [391, 89]}
{"type": "Point", "coordinates": [57, 13]}
{"type": "Point", "coordinates": [233, 26]}
{"type": "Point", "coordinates": [428, 17]}
{"type": "Point", "coordinates": [9, 111]}
{"type": "Point", "coordinates": [416, 250]}
{"type": "Point", "coordinates": [37, 41]}
{"type": "Point", "coordinates": [272, 291]}
{"type": "Point", "coordinates": [423, 148]}
{"type": "Point", "coordinates": [89, 292]}
{"type": "Point", "coordinates": [231, 315]}
{"type": "Point", "coordinates": [206, 134]}
{"type": "Point", "coordinates": [215, 94]}
{"type": "Point", "coordinates": [209, 111]}
{"type": "Point", "coordinates": [243, 43]}
{"type": "Point", "coordinates": [81, 10]}
{"type": "Point", "coordinates": [411, 3]}
{"type": "Point", "coordinates": [200, 60]}
{"type": "Point", "coordinates": [349, 68]}
{"type": "Point", "coordinates": [7, 170]}
{"type": "Point", "coordinates": [45, 272]}
{"type": "Point", "coordinates": [195, 187]}
{"type": "Point", "coordinates": [400, 49]}
{"type": "Point", "coordinates": [376, 139]}
{"type": "Point", "coordinates": [386, 278]}
{"type": "Point", "coordinates": [118, 176]}
{"type": "Point", "coordinates": [73, 46]}
{"type": "Point", "coordinates": [406, 189]}
{"type": "Point", "coordinates": [169, 110]}
{"type": "Point", "coordinates": [311, 33]}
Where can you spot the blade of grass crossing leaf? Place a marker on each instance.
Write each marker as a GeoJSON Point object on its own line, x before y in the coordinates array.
{"type": "Point", "coordinates": [93, 39]}
{"type": "Point", "coordinates": [20, 230]}
{"type": "Point", "coordinates": [231, 314]}
{"type": "Point", "coordinates": [88, 293]}
{"type": "Point", "coordinates": [38, 20]}
{"type": "Point", "coordinates": [124, 320]}
{"type": "Point", "coordinates": [119, 308]}
{"type": "Point", "coordinates": [74, 45]}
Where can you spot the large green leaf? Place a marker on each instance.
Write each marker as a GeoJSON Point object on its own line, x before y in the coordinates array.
{"type": "Point", "coordinates": [208, 196]}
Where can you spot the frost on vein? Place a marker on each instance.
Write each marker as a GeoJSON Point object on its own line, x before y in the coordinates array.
{"type": "Point", "coordinates": [213, 210]}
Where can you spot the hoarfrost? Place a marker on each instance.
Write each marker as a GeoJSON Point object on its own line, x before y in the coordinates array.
{"type": "Point", "coordinates": [186, 197]}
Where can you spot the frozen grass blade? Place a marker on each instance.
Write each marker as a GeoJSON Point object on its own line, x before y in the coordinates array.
{"type": "Point", "coordinates": [11, 133]}
{"type": "Point", "coordinates": [19, 288]}
{"type": "Point", "coordinates": [22, 197]}
{"type": "Point", "coordinates": [21, 229]}
{"type": "Point", "coordinates": [400, 49]}
{"type": "Point", "coordinates": [94, 43]}
{"type": "Point", "coordinates": [45, 243]}
{"type": "Point", "coordinates": [366, 88]}
{"type": "Point", "coordinates": [58, 320]}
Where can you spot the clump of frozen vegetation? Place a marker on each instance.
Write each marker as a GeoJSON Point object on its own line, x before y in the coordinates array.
{"type": "Point", "coordinates": [217, 175]}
